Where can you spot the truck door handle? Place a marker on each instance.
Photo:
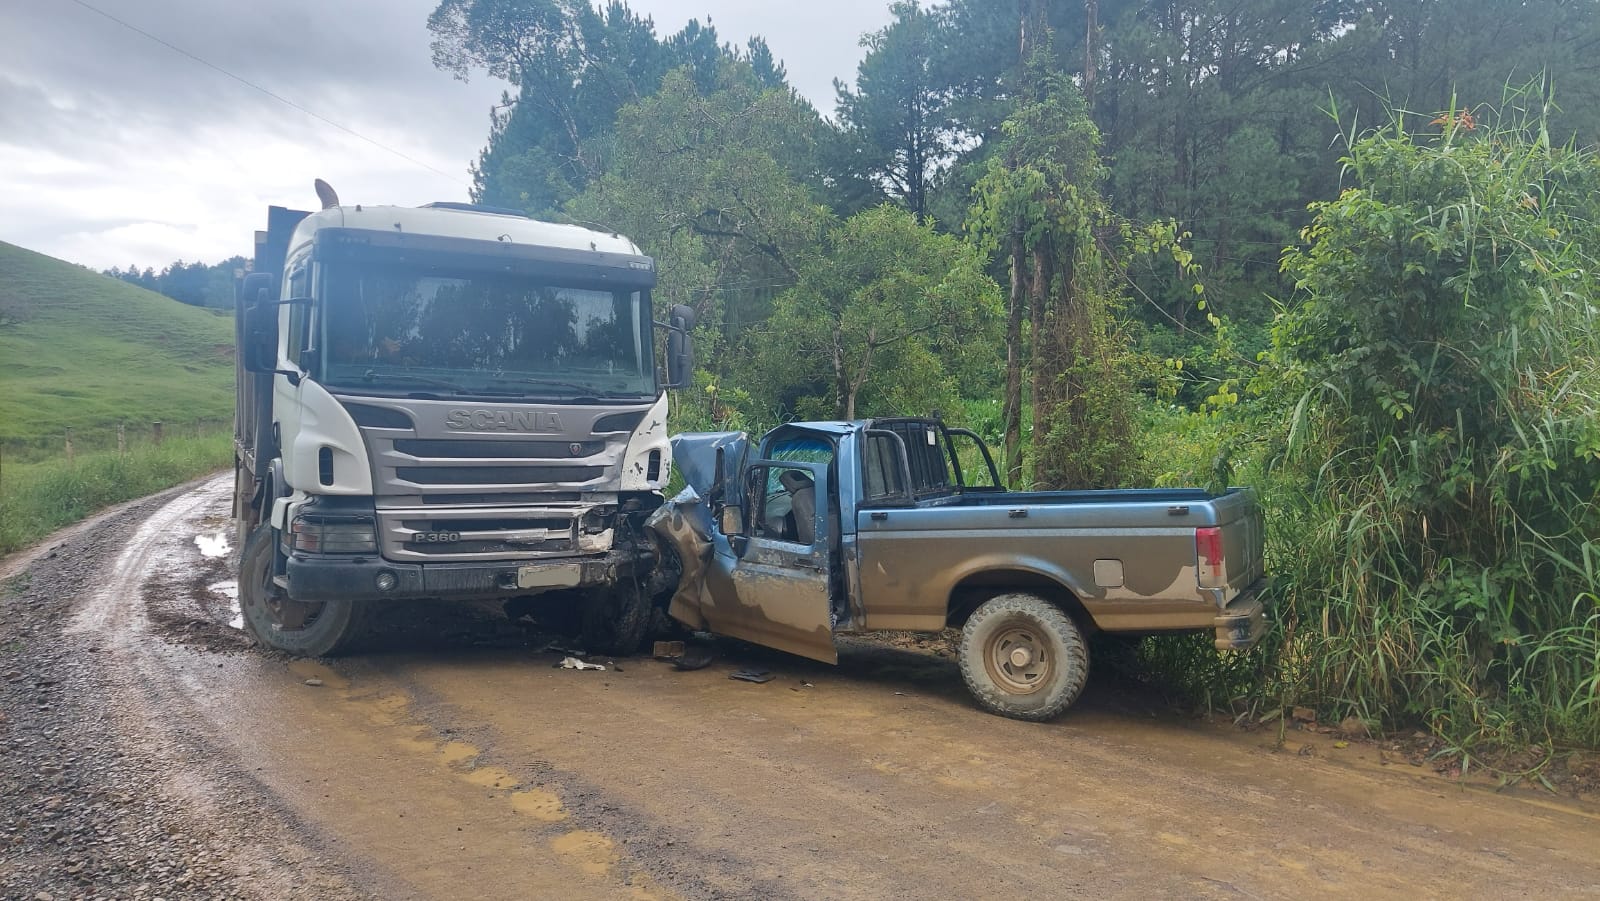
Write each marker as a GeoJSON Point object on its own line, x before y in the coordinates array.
{"type": "Point", "coordinates": [879, 516]}
{"type": "Point", "coordinates": [1019, 513]}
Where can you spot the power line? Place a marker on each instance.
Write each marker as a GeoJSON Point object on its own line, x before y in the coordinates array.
{"type": "Point", "coordinates": [278, 97]}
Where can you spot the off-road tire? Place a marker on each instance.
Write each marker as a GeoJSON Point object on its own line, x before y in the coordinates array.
{"type": "Point", "coordinates": [335, 629]}
{"type": "Point", "coordinates": [1059, 657]}
{"type": "Point", "coordinates": [616, 619]}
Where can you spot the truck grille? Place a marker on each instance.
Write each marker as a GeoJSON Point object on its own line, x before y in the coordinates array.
{"type": "Point", "coordinates": [521, 476]}
{"type": "Point", "coordinates": [492, 533]}
{"type": "Point", "coordinates": [444, 494]}
{"type": "Point", "coordinates": [479, 450]}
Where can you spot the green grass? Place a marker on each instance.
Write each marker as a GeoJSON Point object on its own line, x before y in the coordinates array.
{"type": "Point", "coordinates": [38, 498]}
{"type": "Point", "coordinates": [86, 352]}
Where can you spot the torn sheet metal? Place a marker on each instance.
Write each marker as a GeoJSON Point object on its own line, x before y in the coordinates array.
{"type": "Point", "coordinates": [685, 521]}
{"type": "Point", "coordinates": [695, 456]}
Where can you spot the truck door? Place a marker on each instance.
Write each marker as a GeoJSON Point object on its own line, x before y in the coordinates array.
{"type": "Point", "coordinates": [779, 576]}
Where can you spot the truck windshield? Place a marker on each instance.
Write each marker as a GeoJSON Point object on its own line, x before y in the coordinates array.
{"type": "Point", "coordinates": [389, 328]}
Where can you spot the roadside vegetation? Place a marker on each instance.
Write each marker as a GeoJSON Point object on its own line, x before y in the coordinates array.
{"type": "Point", "coordinates": [38, 498]}
{"type": "Point", "coordinates": [93, 364]}
{"type": "Point", "coordinates": [85, 352]}
{"type": "Point", "coordinates": [1425, 430]}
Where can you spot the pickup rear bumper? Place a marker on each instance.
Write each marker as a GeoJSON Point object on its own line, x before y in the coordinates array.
{"type": "Point", "coordinates": [1242, 623]}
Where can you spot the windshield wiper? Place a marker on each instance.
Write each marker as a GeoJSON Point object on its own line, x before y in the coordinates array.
{"type": "Point", "coordinates": [587, 391]}
{"type": "Point", "coordinates": [372, 375]}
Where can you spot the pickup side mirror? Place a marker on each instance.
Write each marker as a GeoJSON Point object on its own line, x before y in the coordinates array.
{"type": "Point", "coordinates": [730, 521]}
{"type": "Point", "coordinates": [680, 347]}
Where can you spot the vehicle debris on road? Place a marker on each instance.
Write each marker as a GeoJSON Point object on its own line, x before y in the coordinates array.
{"type": "Point", "coordinates": [575, 663]}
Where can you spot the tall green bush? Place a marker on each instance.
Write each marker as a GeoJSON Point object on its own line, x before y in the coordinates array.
{"type": "Point", "coordinates": [1435, 514]}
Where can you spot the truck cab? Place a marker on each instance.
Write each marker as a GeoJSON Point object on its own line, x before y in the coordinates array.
{"type": "Point", "coordinates": [449, 401]}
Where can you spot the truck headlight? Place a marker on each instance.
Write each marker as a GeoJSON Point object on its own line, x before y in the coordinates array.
{"type": "Point", "coordinates": [597, 519]}
{"type": "Point", "coordinates": [327, 534]}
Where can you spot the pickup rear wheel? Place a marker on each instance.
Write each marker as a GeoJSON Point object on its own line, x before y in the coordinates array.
{"type": "Point", "coordinates": [1022, 657]}
{"type": "Point", "coordinates": [321, 629]}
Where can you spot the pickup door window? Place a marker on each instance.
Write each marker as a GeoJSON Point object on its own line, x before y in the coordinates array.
{"type": "Point", "coordinates": [778, 575]}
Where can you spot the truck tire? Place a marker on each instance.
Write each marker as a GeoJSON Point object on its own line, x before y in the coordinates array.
{"type": "Point", "coordinates": [1022, 657]}
{"type": "Point", "coordinates": [616, 619]}
{"type": "Point", "coordinates": [323, 629]}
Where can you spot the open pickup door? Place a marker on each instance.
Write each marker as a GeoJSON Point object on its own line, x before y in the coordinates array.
{"type": "Point", "coordinates": [769, 583]}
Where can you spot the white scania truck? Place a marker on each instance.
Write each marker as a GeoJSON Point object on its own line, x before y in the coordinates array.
{"type": "Point", "coordinates": [451, 402]}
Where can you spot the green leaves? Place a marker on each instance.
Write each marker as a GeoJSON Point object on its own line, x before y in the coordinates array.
{"type": "Point", "coordinates": [890, 316]}
{"type": "Point", "coordinates": [1445, 366]}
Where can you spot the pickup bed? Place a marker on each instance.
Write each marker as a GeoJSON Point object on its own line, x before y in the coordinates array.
{"type": "Point", "coordinates": [831, 527]}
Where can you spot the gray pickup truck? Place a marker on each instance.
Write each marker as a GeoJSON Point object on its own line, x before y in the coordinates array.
{"type": "Point", "coordinates": [831, 527]}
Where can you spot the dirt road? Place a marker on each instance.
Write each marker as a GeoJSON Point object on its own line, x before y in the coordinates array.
{"type": "Point", "coordinates": [147, 752]}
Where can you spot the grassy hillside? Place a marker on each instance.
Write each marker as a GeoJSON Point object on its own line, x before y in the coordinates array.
{"type": "Point", "coordinates": [82, 351]}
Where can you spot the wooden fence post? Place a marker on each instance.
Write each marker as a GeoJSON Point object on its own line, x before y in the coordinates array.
{"type": "Point", "coordinates": [155, 431]}
{"type": "Point", "coordinates": [122, 440]}
{"type": "Point", "coordinates": [70, 455]}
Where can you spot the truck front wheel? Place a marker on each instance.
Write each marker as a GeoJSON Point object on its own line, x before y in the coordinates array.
{"type": "Point", "coordinates": [1022, 657]}
{"type": "Point", "coordinates": [303, 629]}
{"type": "Point", "coordinates": [616, 618]}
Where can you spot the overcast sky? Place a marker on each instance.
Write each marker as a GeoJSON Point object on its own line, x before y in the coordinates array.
{"type": "Point", "coordinates": [116, 150]}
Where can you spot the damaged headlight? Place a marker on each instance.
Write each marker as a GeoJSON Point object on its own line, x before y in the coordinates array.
{"type": "Point", "coordinates": [597, 520]}
{"type": "Point", "coordinates": [333, 534]}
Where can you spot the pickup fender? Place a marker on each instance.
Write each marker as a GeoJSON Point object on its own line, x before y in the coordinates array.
{"type": "Point", "coordinates": [990, 569]}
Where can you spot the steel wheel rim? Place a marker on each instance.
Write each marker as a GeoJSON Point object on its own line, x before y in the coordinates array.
{"type": "Point", "coordinates": [1017, 657]}
{"type": "Point", "coordinates": [293, 616]}
{"type": "Point", "coordinates": [286, 615]}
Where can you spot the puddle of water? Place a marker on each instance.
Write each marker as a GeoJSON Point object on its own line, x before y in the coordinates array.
{"type": "Point", "coordinates": [539, 804]}
{"type": "Point", "coordinates": [230, 588]}
{"type": "Point", "coordinates": [213, 545]}
{"type": "Point", "coordinates": [591, 851]}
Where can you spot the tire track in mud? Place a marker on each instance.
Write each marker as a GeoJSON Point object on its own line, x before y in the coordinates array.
{"type": "Point", "coordinates": [112, 792]}
{"type": "Point", "coordinates": [242, 706]}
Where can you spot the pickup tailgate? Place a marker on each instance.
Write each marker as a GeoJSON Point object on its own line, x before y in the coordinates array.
{"type": "Point", "coordinates": [1229, 554]}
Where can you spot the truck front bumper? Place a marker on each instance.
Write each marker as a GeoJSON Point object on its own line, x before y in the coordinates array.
{"type": "Point", "coordinates": [1243, 621]}
{"type": "Point", "coordinates": [315, 578]}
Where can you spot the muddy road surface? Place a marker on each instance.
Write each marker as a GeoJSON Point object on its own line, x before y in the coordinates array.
{"type": "Point", "coordinates": [147, 751]}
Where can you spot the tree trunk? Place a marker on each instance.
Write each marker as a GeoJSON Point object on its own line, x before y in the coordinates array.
{"type": "Point", "coordinates": [1091, 50]}
{"type": "Point", "coordinates": [1011, 409]}
{"type": "Point", "coordinates": [1043, 369]}
{"type": "Point", "coordinates": [843, 399]}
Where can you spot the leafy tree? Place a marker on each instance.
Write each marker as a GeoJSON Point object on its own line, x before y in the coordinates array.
{"type": "Point", "coordinates": [575, 67]}
{"type": "Point", "coordinates": [1040, 203]}
{"type": "Point", "coordinates": [890, 316]}
{"type": "Point", "coordinates": [196, 284]}
{"type": "Point", "coordinates": [897, 134]}
{"type": "Point", "coordinates": [714, 186]}
{"type": "Point", "coordinates": [1430, 55]}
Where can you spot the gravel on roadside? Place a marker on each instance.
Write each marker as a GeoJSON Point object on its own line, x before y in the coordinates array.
{"type": "Point", "coordinates": [93, 802]}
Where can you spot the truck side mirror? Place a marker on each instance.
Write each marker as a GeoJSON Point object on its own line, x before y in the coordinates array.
{"type": "Point", "coordinates": [680, 347]}
{"type": "Point", "coordinates": [259, 340]}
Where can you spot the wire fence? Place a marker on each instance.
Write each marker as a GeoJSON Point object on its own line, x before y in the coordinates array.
{"type": "Point", "coordinates": [123, 438]}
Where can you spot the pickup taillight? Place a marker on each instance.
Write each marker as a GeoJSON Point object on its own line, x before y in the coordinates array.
{"type": "Point", "coordinates": [1213, 566]}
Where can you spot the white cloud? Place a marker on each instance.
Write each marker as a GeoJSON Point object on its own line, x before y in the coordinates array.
{"type": "Point", "coordinates": [115, 149]}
